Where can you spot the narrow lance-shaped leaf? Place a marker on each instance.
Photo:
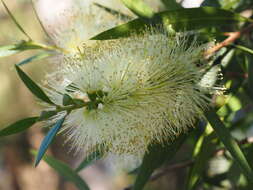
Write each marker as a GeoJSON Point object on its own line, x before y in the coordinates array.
{"type": "Point", "coordinates": [182, 19]}
{"type": "Point", "coordinates": [32, 86]}
{"type": "Point", "coordinates": [226, 138]}
{"type": "Point", "coordinates": [18, 126]}
{"type": "Point", "coordinates": [23, 46]}
{"type": "Point", "coordinates": [243, 48]}
{"type": "Point", "coordinates": [15, 21]}
{"type": "Point", "coordinates": [47, 114]}
{"type": "Point", "coordinates": [203, 152]}
{"type": "Point", "coordinates": [139, 8]}
{"type": "Point", "coordinates": [114, 12]}
{"type": "Point", "coordinates": [65, 171]}
{"type": "Point", "coordinates": [48, 139]}
{"type": "Point", "coordinates": [158, 154]}
{"type": "Point", "coordinates": [36, 57]}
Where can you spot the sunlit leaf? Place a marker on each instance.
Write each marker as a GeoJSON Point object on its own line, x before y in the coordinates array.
{"type": "Point", "coordinates": [48, 139]}
{"type": "Point", "coordinates": [18, 126]}
{"type": "Point", "coordinates": [203, 151]}
{"type": "Point", "coordinates": [65, 171]}
{"type": "Point", "coordinates": [32, 86]}
{"type": "Point", "coordinates": [180, 20]}
{"type": "Point", "coordinates": [139, 8]}
{"type": "Point", "coordinates": [243, 48]}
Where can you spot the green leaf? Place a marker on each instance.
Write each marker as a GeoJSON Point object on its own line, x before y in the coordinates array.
{"type": "Point", "coordinates": [65, 171]}
{"type": "Point", "coordinates": [15, 21]}
{"type": "Point", "coordinates": [36, 57]}
{"type": "Point", "coordinates": [114, 12]}
{"type": "Point", "coordinates": [180, 20]}
{"type": "Point", "coordinates": [48, 139]}
{"type": "Point", "coordinates": [18, 126]}
{"type": "Point", "coordinates": [67, 100]}
{"type": "Point", "coordinates": [226, 138]}
{"type": "Point", "coordinates": [23, 46]}
{"type": "Point", "coordinates": [243, 48]}
{"type": "Point", "coordinates": [156, 156]}
{"type": "Point", "coordinates": [46, 114]}
{"type": "Point", "coordinates": [94, 156]}
{"type": "Point", "coordinates": [171, 4]}
{"type": "Point", "coordinates": [32, 86]}
{"type": "Point", "coordinates": [139, 8]}
{"type": "Point", "coordinates": [203, 151]}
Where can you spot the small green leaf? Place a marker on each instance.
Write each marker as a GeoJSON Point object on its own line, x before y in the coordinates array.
{"type": "Point", "coordinates": [78, 102]}
{"type": "Point", "coordinates": [67, 100]}
{"type": "Point", "coordinates": [15, 21]}
{"type": "Point", "coordinates": [48, 139]}
{"type": "Point", "coordinates": [231, 145]}
{"type": "Point", "coordinates": [36, 57]}
{"type": "Point", "coordinates": [46, 115]}
{"type": "Point", "coordinates": [94, 156]}
{"type": "Point", "coordinates": [18, 126]}
{"type": "Point", "coordinates": [65, 171]}
{"type": "Point", "coordinates": [139, 8]}
{"type": "Point", "coordinates": [32, 86]}
{"type": "Point", "coordinates": [180, 20]}
{"type": "Point", "coordinates": [156, 156]}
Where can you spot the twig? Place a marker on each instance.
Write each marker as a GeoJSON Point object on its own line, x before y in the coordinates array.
{"type": "Point", "coordinates": [188, 163]}
{"type": "Point", "coordinates": [171, 168]}
{"type": "Point", "coordinates": [221, 151]}
{"type": "Point", "coordinates": [167, 170]}
{"type": "Point", "coordinates": [232, 36]}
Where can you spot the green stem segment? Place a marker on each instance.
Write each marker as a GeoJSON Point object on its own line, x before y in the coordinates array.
{"type": "Point", "coordinates": [70, 107]}
{"type": "Point", "coordinates": [231, 145]}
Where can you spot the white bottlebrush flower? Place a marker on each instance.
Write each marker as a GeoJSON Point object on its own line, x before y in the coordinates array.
{"type": "Point", "coordinates": [139, 90]}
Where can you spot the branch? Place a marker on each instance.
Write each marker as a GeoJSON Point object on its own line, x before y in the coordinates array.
{"type": "Point", "coordinates": [232, 36]}
{"type": "Point", "coordinates": [172, 168]}
{"type": "Point", "coordinates": [167, 170]}
{"type": "Point", "coordinates": [221, 151]}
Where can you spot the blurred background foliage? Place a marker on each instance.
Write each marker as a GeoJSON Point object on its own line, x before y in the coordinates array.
{"type": "Point", "coordinates": [200, 163]}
